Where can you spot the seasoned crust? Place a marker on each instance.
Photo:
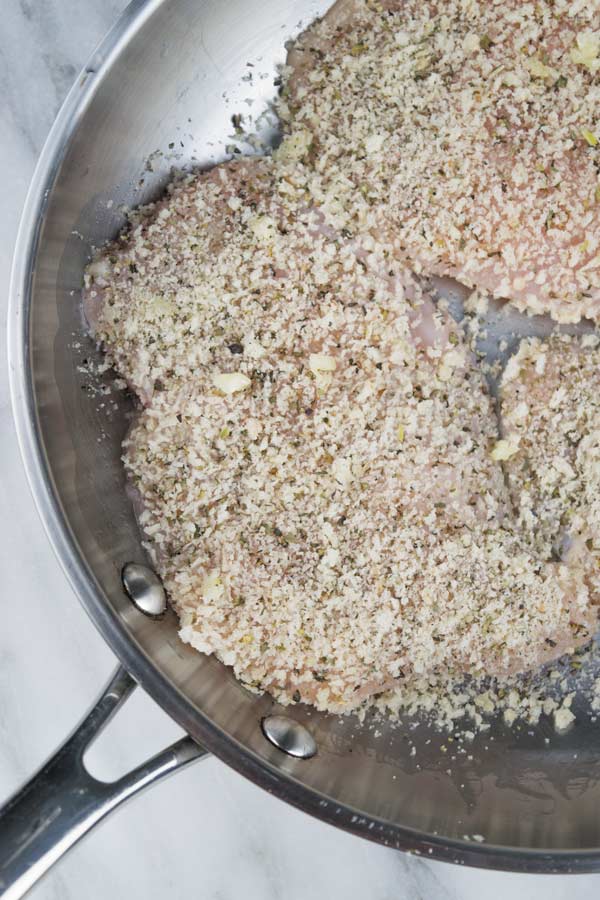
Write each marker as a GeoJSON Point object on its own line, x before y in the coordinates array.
{"type": "Point", "coordinates": [466, 134]}
{"type": "Point", "coordinates": [314, 462]}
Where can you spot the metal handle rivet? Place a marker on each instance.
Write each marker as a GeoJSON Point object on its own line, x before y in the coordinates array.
{"type": "Point", "coordinates": [144, 589]}
{"type": "Point", "coordinates": [289, 736]}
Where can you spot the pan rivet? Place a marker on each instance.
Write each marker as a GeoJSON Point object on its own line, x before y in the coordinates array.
{"type": "Point", "coordinates": [144, 589]}
{"type": "Point", "coordinates": [289, 736]}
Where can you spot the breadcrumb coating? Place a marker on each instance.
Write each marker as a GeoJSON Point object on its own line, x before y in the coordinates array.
{"type": "Point", "coordinates": [467, 133]}
{"type": "Point", "coordinates": [315, 461]}
{"type": "Point", "coordinates": [317, 466]}
{"type": "Point", "coordinates": [550, 409]}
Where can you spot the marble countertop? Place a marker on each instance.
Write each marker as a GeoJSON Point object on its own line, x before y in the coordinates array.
{"type": "Point", "coordinates": [206, 832]}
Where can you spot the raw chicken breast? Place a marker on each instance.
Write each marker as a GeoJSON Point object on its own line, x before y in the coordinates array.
{"type": "Point", "coordinates": [550, 405]}
{"type": "Point", "coordinates": [315, 461]}
{"type": "Point", "coordinates": [464, 135]}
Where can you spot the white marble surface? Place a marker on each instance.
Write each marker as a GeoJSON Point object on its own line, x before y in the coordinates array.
{"type": "Point", "coordinates": [205, 833]}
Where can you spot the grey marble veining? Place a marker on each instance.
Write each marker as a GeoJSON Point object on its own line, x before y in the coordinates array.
{"type": "Point", "coordinates": [207, 832]}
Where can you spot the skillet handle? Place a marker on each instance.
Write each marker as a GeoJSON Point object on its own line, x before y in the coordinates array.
{"type": "Point", "coordinates": [62, 802]}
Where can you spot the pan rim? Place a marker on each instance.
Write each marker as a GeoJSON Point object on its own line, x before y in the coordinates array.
{"type": "Point", "coordinates": [88, 591]}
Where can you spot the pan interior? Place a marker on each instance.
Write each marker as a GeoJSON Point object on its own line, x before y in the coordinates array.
{"type": "Point", "coordinates": [160, 94]}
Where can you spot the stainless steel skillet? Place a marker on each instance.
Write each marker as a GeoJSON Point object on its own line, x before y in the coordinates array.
{"type": "Point", "coordinates": [160, 92]}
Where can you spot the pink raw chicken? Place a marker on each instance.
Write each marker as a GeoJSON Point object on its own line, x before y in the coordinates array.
{"type": "Point", "coordinates": [465, 135]}
{"type": "Point", "coordinates": [314, 461]}
{"type": "Point", "coordinates": [551, 420]}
